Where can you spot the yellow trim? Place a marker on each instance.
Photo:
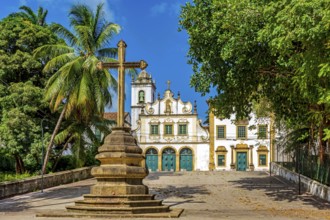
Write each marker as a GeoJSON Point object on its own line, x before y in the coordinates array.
{"type": "Point", "coordinates": [212, 133]}
{"type": "Point", "coordinates": [221, 149]}
{"type": "Point", "coordinates": [224, 132]}
{"type": "Point", "coordinates": [266, 135]}
{"type": "Point", "coordinates": [246, 132]}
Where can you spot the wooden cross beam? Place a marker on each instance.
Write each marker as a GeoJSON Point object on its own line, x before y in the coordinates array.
{"type": "Point", "coordinates": [121, 65]}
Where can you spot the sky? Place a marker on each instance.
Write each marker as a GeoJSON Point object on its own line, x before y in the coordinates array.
{"type": "Point", "coordinates": [150, 30]}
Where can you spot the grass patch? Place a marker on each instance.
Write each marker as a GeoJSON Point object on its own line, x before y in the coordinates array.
{"type": "Point", "coordinates": [13, 176]}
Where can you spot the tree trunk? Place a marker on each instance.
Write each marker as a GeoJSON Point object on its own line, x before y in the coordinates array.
{"type": "Point", "coordinates": [20, 169]}
{"type": "Point", "coordinates": [49, 147]}
{"type": "Point", "coordinates": [321, 145]}
{"type": "Point", "coordinates": [60, 155]}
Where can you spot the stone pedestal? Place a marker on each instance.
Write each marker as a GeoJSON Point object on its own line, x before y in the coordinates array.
{"type": "Point", "coordinates": [119, 191]}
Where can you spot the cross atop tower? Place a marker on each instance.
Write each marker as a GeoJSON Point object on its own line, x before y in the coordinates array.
{"type": "Point", "coordinates": [168, 84]}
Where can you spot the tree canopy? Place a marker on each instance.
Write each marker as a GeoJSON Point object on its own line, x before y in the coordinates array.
{"type": "Point", "coordinates": [248, 50]}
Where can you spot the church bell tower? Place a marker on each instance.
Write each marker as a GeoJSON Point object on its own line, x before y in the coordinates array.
{"type": "Point", "coordinates": [143, 91]}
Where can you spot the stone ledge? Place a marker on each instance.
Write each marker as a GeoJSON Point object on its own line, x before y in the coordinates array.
{"type": "Point", "coordinates": [173, 213]}
{"type": "Point", "coordinates": [12, 188]}
{"type": "Point", "coordinates": [312, 186]}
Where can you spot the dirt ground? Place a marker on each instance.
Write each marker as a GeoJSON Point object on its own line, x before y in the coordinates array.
{"type": "Point", "coordinates": [202, 195]}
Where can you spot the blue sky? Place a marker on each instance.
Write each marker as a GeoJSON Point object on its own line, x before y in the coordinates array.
{"type": "Point", "coordinates": [150, 30]}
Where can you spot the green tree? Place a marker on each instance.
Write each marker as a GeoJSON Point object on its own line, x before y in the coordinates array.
{"type": "Point", "coordinates": [78, 88]}
{"type": "Point", "coordinates": [21, 83]}
{"type": "Point", "coordinates": [19, 128]}
{"type": "Point", "coordinates": [252, 50]}
{"type": "Point", "coordinates": [29, 15]}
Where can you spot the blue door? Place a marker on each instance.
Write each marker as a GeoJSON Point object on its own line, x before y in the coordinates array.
{"type": "Point", "coordinates": [241, 161]}
{"type": "Point", "coordinates": [168, 160]}
{"type": "Point", "coordinates": [186, 157]}
{"type": "Point", "coordinates": [152, 159]}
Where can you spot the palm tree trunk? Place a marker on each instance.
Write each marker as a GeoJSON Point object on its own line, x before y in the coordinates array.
{"type": "Point", "coordinates": [49, 147]}
{"type": "Point", "coordinates": [60, 155]}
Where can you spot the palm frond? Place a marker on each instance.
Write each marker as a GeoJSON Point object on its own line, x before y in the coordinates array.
{"type": "Point", "coordinates": [108, 52]}
{"type": "Point", "coordinates": [106, 34]}
{"type": "Point", "coordinates": [30, 15]}
{"type": "Point", "coordinates": [64, 33]}
{"type": "Point", "coordinates": [50, 51]}
{"type": "Point", "coordinates": [58, 61]}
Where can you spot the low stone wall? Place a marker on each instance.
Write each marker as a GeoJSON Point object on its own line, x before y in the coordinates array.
{"type": "Point", "coordinates": [311, 186]}
{"type": "Point", "coordinates": [31, 184]}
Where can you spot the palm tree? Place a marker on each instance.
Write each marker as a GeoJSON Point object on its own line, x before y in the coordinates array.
{"type": "Point", "coordinates": [79, 136]}
{"type": "Point", "coordinates": [28, 14]}
{"type": "Point", "coordinates": [77, 87]}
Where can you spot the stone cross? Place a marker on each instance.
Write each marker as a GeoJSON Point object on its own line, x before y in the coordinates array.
{"type": "Point", "coordinates": [121, 65]}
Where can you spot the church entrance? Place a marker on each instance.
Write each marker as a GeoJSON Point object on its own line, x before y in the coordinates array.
{"type": "Point", "coordinates": [186, 159]}
{"type": "Point", "coordinates": [168, 160]}
{"type": "Point", "coordinates": [241, 161]}
{"type": "Point", "coordinates": [152, 159]}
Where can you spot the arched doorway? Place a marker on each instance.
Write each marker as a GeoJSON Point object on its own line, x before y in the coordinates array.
{"type": "Point", "coordinates": [152, 159]}
{"type": "Point", "coordinates": [186, 159]}
{"type": "Point", "coordinates": [168, 160]}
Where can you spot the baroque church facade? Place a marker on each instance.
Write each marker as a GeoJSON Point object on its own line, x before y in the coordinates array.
{"type": "Point", "coordinates": [167, 129]}
{"type": "Point", "coordinates": [173, 138]}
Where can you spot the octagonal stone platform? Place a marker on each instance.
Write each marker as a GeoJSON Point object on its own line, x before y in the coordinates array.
{"type": "Point", "coordinates": [119, 191]}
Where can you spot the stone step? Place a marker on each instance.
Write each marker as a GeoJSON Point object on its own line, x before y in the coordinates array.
{"type": "Point", "coordinates": [117, 210]}
{"type": "Point", "coordinates": [131, 197]}
{"type": "Point", "coordinates": [97, 203]}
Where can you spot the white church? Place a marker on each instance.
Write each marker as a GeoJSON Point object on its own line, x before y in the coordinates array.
{"type": "Point", "coordinates": [173, 138]}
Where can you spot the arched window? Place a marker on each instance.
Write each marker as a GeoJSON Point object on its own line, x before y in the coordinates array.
{"type": "Point", "coordinates": [141, 96]}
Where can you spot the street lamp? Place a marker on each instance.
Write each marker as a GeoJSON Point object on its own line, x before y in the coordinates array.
{"type": "Point", "coordinates": [42, 154]}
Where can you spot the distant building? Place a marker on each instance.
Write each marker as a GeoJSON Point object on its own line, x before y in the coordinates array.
{"type": "Point", "coordinates": [113, 117]}
{"type": "Point", "coordinates": [167, 129]}
{"type": "Point", "coordinates": [240, 145]}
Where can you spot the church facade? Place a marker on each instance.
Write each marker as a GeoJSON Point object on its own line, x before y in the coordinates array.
{"type": "Point", "coordinates": [167, 129]}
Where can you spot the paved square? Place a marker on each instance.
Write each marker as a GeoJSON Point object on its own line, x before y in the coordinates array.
{"type": "Point", "coordinates": [203, 195]}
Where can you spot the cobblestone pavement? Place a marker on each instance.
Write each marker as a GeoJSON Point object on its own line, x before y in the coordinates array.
{"type": "Point", "coordinates": [202, 195]}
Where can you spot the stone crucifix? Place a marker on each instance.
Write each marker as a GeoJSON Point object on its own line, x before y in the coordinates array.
{"type": "Point", "coordinates": [121, 65]}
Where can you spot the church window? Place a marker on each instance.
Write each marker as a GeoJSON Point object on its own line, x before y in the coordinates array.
{"type": "Point", "coordinates": [168, 129]}
{"type": "Point", "coordinates": [262, 160]}
{"type": "Point", "coordinates": [182, 129]}
{"type": "Point", "coordinates": [141, 96]}
{"type": "Point", "coordinates": [221, 132]}
{"type": "Point", "coordinates": [241, 132]}
{"type": "Point", "coordinates": [262, 131]}
{"type": "Point", "coordinates": [154, 129]}
{"type": "Point", "coordinates": [221, 160]}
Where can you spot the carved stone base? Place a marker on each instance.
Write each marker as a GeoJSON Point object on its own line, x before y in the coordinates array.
{"type": "Point", "coordinates": [119, 189]}
{"type": "Point", "coordinates": [251, 167]}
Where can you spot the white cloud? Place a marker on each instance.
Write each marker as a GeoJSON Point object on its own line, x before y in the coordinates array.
{"type": "Point", "coordinates": [109, 14]}
{"type": "Point", "coordinates": [159, 9]}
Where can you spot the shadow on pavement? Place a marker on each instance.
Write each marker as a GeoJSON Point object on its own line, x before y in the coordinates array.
{"type": "Point", "coordinates": [280, 189]}
{"type": "Point", "coordinates": [185, 192]}
{"type": "Point", "coordinates": [63, 194]}
{"type": "Point", "coordinates": [157, 175]}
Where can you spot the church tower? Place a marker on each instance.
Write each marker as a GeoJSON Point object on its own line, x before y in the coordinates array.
{"type": "Point", "coordinates": [143, 91]}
